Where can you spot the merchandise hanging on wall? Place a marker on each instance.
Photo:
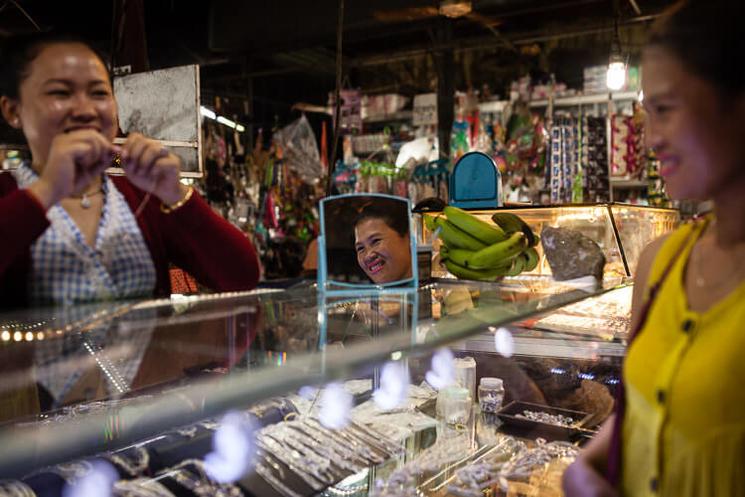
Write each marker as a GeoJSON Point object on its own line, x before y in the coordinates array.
{"type": "Point", "coordinates": [578, 165]}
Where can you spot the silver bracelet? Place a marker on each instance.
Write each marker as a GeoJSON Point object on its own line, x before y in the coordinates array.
{"type": "Point", "coordinates": [345, 437]}
{"type": "Point", "coordinates": [330, 443]}
{"type": "Point", "coordinates": [359, 444]}
{"type": "Point", "coordinates": [325, 447]}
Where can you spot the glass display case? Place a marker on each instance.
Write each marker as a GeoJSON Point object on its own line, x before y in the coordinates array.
{"type": "Point", "coordinates": [621, 231]}
{"type": "Point", "coordinates": [144, 384]}
{"type": "Point", "coordinates": [355, 393]}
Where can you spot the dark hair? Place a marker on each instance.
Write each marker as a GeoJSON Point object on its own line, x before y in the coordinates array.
{"type": "Point", "coordinates": [706, 35]}
{"type": "Point", "coordinates": [19, 51]}
{"type": "Point", "coordinates": [392, 215]}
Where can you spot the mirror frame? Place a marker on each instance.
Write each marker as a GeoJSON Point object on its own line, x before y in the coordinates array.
{"type": "Point", "coordinates": [327, 284]}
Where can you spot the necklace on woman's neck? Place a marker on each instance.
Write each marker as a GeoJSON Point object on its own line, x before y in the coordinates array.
{"type": "Point", "coordinates": [85, 201]}
{"type": "Point", "coordinates": [703, 278]}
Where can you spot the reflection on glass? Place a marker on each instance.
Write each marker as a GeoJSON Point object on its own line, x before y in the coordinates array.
{"type": "Point", "coordinates": [367, 240]}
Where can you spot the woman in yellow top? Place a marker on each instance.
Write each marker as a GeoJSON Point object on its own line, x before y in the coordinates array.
{"type": "Point", "coordinates": [683, 428]}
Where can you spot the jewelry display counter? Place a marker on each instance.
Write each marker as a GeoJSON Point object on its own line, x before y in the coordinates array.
{"type": "Point", "coordinates": [144, 385]}
{"type": "Point", "coordinates": [304, 392]}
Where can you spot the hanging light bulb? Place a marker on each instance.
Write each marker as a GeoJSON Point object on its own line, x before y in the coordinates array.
{"type": "Point", "coordinates": [615, 78]}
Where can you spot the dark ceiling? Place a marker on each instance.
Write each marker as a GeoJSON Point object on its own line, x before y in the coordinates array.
{"type": "Point", "coordinates": [283, 51]}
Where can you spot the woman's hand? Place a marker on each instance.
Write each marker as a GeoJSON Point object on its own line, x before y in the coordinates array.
{"type": "Point", "coordinates": [152, 168]}
{"type": "Point", "coordinates": [75, 160]}
{"type": "Point", "coordinates": [582, 480]}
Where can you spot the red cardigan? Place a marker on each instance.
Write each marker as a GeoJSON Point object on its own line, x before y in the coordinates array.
{"type": "Point", "coordinates": [193, 238]}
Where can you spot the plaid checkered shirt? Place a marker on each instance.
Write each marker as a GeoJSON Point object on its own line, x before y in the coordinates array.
{"type": "Point", "coordinates": [66, 270]}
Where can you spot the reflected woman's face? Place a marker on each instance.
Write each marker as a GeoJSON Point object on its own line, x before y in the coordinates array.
{"type": "Point", "coordinates": [383, 254]}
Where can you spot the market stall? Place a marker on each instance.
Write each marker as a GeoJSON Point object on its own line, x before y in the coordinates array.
{"type": "Point", "coordinates": [448, 389]}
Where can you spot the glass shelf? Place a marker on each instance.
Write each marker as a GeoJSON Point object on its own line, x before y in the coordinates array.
{"type": "Point", "coordinates": [92, 378]}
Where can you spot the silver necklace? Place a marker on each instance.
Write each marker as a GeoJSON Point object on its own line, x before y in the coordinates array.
{"type": "Point", "coordinates": [85, 201]}
{"type": "Point", "coordinates": [700, 280]}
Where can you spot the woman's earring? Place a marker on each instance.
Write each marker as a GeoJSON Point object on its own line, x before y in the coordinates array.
{"type": "Point", "coordinates": [16, 121]}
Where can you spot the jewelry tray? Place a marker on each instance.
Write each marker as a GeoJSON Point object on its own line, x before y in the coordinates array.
{"type": "Point", "coordinates": [528, 428]}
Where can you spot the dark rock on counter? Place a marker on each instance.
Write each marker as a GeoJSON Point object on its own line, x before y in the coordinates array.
{"type": "Point", "coordinates": [571, 254]}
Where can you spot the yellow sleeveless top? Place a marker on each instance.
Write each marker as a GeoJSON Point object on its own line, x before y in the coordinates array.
{"type": "Point", "coordinates": [684, 430]}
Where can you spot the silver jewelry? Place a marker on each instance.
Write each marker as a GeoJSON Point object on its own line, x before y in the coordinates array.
{"type": "Point", "coordinates": [330, 443]}
{"type": "Point", "coordinates": [320, 465]}
{"type": "Point", "coordinates": [326, 451]}
{"type": "Point", "coordinates": [133, 466]}
{"type": "Point", "coordinates": [375, 439]}
{"type": "Point", "coordinates": [348, 437]}
{"type": "Point", "coordinates": [15, 488]}
{"type": "Point", "coordinates": [72, 471]}
{"type": "Point", "coordinates": [85, 201]}
{"type": "Point", "coordinates": [188, 432]}
{"type": "Point", "coordinates": [273, 481]}
{"type": "Point", "coordinates": [271, 447]}
{"type": "Point", "coordinates": [199, 483]}
{"type": "Point", "coordinates": [140, 487]}
{"type": "Point", "coordinates": [546, 418]}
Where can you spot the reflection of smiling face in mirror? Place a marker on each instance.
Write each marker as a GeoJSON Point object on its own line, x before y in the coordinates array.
{"type": "Point", "coordinates": [382, 253]}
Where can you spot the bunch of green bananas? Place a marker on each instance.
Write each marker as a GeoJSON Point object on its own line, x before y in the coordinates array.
{"type": "Point", "coordinates": [476, 250]}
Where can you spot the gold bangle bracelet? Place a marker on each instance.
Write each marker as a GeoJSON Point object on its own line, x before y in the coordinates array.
{"type": "Point", "coordinates": [167, 209]}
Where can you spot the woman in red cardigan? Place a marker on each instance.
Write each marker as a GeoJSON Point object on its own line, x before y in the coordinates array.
{"type": "Point", "coordinates": [70, 233]}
